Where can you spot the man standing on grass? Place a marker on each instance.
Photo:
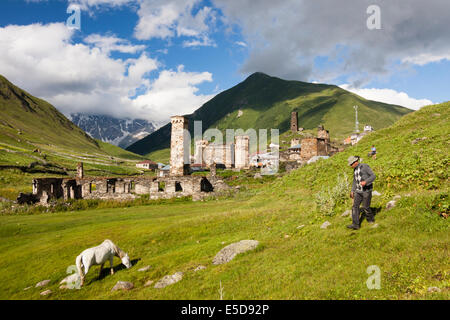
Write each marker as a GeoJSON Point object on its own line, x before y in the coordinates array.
{"type": "Point", "coordinates": [362, 187]}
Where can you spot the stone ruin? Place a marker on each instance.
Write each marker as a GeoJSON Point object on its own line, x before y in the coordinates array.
{"type": "Point", "coordinates": [177, 184]}
{"type": "Point", "coordinates": [320, 146]}
{"type": "Point", "coordinates": [303, 150]}
{"type": "Point", "coordinates": [47, 189]}
{"type": "Point", "coordinates": [223, 155]}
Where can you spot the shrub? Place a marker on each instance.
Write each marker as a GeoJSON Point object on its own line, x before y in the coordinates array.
{"type": "Point", "coordinates": [329, 198]}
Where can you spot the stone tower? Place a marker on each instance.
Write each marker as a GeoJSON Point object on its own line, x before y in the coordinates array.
{"type": "Point", "coordinates": [80, 170]}
{"type": "Point", "coordinates": [241, 152]}
{"type": "Point", "coordinates": [200, 146]}
{"type": "Point", "coordinates": [323, 134]}
{"type": "Point", "coordinates": [179, 146]}
{"type": "Point", "coordinates": [294, 121]}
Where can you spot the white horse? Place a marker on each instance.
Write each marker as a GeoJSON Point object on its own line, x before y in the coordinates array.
{"type": "Point", "coordinates": [98, 256]}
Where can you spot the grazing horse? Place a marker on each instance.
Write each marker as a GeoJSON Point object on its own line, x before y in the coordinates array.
{"type": "Point", "coordinates": [98, 256]}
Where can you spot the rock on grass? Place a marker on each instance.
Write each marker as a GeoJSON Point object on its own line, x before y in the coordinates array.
{"type": "Point", "coordinates": [229, 252]}
{"type": "Point", "coordinates": [390, 204]}
{"type": "Point", "coordinates": [143, 269]}
{"type": "Point", "coordinates": [123, 285]}
{"type": "Point", "coordinates": [46, 292]}
{"type": "Point", "coordinates": [42, 283]}
{"type": "Point", "coordinates": [169, 280]}
{"type": "Point", "coordinates": [346, 213]}
{"type": "Point", "coordinates": [325, 225]}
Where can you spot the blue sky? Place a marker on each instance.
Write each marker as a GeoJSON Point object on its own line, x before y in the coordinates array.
{"type": "Point", "coordinates": [153, 58]}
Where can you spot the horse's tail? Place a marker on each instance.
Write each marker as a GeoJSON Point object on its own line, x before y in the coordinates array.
{"type": "Point", "coordinates": [79, 264]}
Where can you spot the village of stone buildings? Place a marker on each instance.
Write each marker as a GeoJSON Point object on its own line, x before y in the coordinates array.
{"type": "Point", "coordinates": [176, 179]}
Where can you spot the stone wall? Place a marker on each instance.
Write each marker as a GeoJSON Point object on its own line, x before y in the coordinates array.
{"type": "Point", "coordinates": [46, 189]}
{"type": "Point", "coordinates": [314, 147]}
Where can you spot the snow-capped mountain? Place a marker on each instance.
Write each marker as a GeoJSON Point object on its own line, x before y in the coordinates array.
{"type": "Point", "coordinates": [120, 132]}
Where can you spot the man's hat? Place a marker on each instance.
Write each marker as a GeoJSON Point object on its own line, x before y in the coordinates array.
{"type": "Point", "coordinates": [352, 159]}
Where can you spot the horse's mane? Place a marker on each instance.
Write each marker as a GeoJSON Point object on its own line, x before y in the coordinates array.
{"type": "Point", "coordinates": [119, 252]}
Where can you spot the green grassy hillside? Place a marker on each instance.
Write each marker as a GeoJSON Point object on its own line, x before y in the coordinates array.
{"type": "Point", "coordinates": [267, 102]}
{"type": "Point", "coordinates": [296, 259]}
{"type": "Point", "coordinates": [35, 135]}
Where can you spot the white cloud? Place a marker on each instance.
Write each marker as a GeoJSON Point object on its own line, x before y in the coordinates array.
{"type": "Point", "coordinates": [425, 58]}
{"type": "Point", "coordinates": [287, 36]}
{"type": "Point", "coordinates": [174, 92]}
{"type": "Point", "coordinates": [241, 43]}
{"type": "Point", "coordinates": [388, 96]}
{"type": "Point", "coordinates": [112, 43]}
{"type": "Point", "coordinates": [76, 77]}
{"type": "Point", "coordinates": [86, 4]}
{"type": "Point", "coordinates": [175, 18]}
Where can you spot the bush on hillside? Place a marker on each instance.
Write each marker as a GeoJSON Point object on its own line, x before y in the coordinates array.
{"type": "Point", "coordinates": [330, 197]}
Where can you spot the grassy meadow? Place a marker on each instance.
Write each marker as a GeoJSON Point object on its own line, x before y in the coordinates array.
{"type": "Point", "coordinates": [296, 259]}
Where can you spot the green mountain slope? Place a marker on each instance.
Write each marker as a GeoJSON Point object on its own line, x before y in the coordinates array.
{"type": "Point", "coordinates": [267, 102]}
{"type": "Point", "coordinates": [35, 135]}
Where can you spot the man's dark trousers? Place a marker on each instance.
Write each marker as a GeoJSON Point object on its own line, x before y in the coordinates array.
{"type": "Point", "coordinates": [365, 197]}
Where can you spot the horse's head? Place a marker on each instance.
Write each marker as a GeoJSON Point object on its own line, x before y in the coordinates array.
{"type": "Point", "coordinates": [126, 261]}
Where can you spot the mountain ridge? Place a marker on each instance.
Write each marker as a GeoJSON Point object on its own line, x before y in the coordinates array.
{"type": "Point", "coordinates": [263, 102]}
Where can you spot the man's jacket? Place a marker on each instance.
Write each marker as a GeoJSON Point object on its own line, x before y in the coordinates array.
{"type": "Point", "coordinates": [362, 173]}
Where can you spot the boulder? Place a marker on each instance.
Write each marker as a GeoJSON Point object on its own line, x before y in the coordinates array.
{"type": "Point", "coordinates": [434, 289]}
{"type": "Point", "coordinates": [148, 283]}
{"type": "Point", "coordinates": [229, 252]}
{"type": "Point", "coordinates": [46, 292]}
{"type": "Point", "coordinates": [325, 225]}
{"type": "Point", "coordinates": [257, 176]}
{"type": "Point", "coordinates": [390, 205]}
{"type": "Point", "coordinates": [169, 280]}
{"type": "Point", "coordinates": [123, 285]}
{"type": "Point", "coordinates": [73, 278]}
{"type": "Point", "coordinates": [42, 283]}
{"type": "Point", "coordinates": [397, 197]}
{"type": "Point", "coordinates": [300, 227]}
{"type": "Point", "coordinates": [418, 139]}
{"type": "Point", "coordinates": [199, 268]}
{"type": "Point", "coordinates": [346, 213]}
{"type": "Point", "coordinates": [376, 193]}
{"type": "Point", "coordinates": [143, 269]}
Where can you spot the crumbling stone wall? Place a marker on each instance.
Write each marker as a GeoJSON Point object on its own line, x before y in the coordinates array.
{"type": "Point", "coordinates": [46, 189]}
{"type": "Point", "coordinates": [323, 134]}
{"type": "Point", "coordinates": [313, 147]}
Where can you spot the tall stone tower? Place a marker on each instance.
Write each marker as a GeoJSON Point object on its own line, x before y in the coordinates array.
{"type": "Point", "coordinates": [241, 152]}
{"type": "Point", "coordinates": [200, 146]}
{"type": "Point", "coordinates": [80, 170]}
{"type": "Point", "coordinates": [294, 121]}
{"type": "Point", "coordinates": [179, 146]}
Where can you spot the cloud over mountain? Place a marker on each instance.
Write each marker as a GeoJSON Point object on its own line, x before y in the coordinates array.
{"type": "Point", "coordinates": [85, 78]}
